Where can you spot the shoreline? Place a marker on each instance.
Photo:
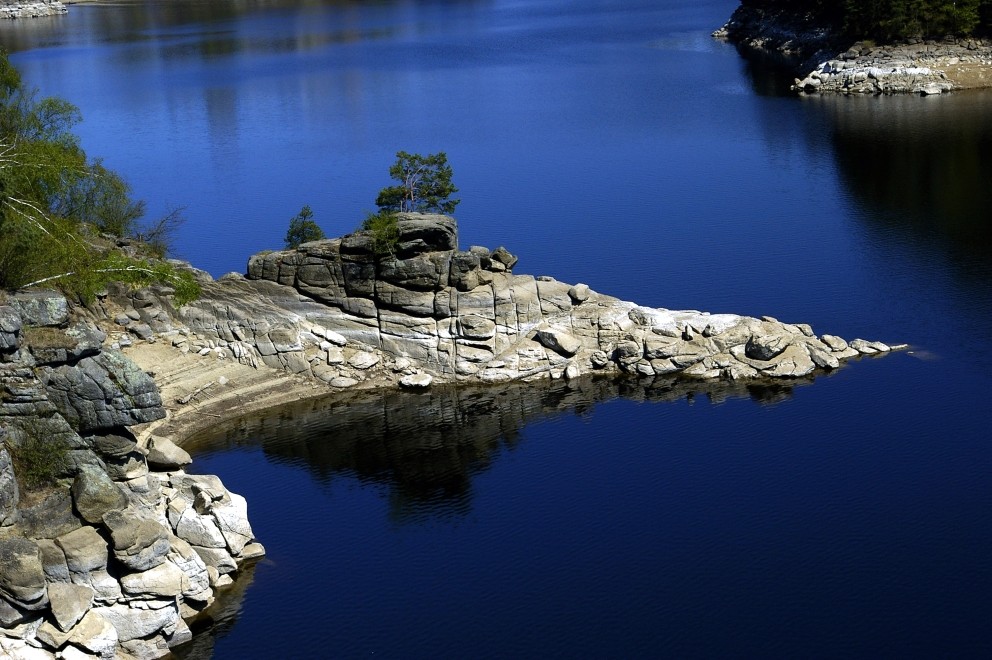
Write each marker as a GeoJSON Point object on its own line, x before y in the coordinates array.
{"type": "Point", "coordinates": [824, 62]}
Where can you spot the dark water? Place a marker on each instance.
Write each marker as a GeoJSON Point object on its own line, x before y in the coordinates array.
{"type": "Point", "coordinates": [616, 144]}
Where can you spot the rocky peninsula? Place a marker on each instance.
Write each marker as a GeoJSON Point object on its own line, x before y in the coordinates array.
{"type": "Point", "coordinates": [124, 548]}
{"type": "Point", "coordinates": [826, 62]}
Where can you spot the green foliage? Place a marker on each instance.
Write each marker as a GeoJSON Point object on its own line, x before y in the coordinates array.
{"type": "Point", "coordinates": [39, 457]}
{"type": "Point", "coordinates": [891, 20]}
{"type": "Point", "coordinates": [384, 231]}
{"type": "Point", "coordinates": [52, 197]}
{"type": "Point", "coordinates": [302, 229]}
{"type": "Point", "coordinates": [424, 185]}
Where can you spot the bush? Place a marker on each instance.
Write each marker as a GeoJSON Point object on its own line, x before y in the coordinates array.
{"type": "Point", "coordinates": [39, 457]}
{"type": "Point", "coordinates": [302, 229]}
{"type": "Point", "coordinates": [385, 233]}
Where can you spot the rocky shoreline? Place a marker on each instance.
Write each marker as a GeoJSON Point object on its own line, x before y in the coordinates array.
{"type": "Point", "coordinates": [127, 548]}
{"type": "Point", "coordinates": [13, 9]}
{"type": "Point", "coordinates": [824, 62]}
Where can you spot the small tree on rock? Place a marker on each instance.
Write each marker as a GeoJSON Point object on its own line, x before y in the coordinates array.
{"type": "Point", "coordinates": [302, 229]}
{"type": "Point", "coordinates": [424, 185]}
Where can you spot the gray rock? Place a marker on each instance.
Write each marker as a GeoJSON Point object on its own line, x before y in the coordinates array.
{"type": "Point", "coordinates": [41, 308]}
{"type": "Point", "coordinates": [51, 517]}
{"type": "Point", "coordinates": [196, 577]}
{"type": "Point", "coordinates": [70, 602]}
{"type": "Point", "coordinates": [579, 293]}
{"type": "Point", "coordinates": [9, 492]}
{"type": "Point", "coordinates": [94, 494]}
{"type": "Point", "coordinates": [599, 359]}
{"type": "Point", "coordinates": [472, 326]}
{"type": "Point", "coordinates": [53, 561]}
{"type": "Point", "coordinates": [22, 579]}
{"type": "Point", "coordinates": [198, 529]}
{"type": "Point", "coordinates": [793, 362]}
{"type": "Point", "coordinates": [141, 331]}
{"type": "Point", "coordinates": [10, 329]}
{"type": "Point", "coordinates": [766, 347]}
{"type": "Point", "coordinates": [835, 343]}
{"type": "Point", "coordinates": [103, 392]}
{"type": "Point", "coordinates": [823, 359]}
{"type": "Point", "coordinates": [419, 233]}
{"type": "Point", "coordinates": [219, 558]}
{"type": "Point", "coordinates": [54, 346]}
{"type": "Point", "coordinates": [502, 255]}
{"type": "Point", "coordinates": [164, 580]}
{"type": "Point", "coordinates": [863, 347]}
{"type": "Point", "coordinates": [232, 519]}
{"type": "Point", "coordinates": [416, 381]}
{"type": "Point", "coordinates": [85, 550]}
{"type": "Point", "coordinates": [163, 454]}
{"type": "Point", "coordinates": [96, 634]}
{"type": "Point", "coordinates": [559, 341]}
{"type": "Point", "coordinates": [49, 635]}
{"type": "Point", "coordinates": [140, 618]}
{"type": "Point", "coordinates": [139, 544]}
{"type": "Point", "coordinates": [363, 360]}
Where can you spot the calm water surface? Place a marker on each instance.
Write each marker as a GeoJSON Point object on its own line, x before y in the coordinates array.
{"type": "Point", "coordinates": [612, 143]}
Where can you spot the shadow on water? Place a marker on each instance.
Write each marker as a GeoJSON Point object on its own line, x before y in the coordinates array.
{"type": "Point", "coordinates": [426, 447]}
{"type": "Point", "coordinates": [920, 164]}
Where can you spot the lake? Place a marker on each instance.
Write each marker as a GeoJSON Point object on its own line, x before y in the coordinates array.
{"type": "Point", "coordinates": [616, 144]}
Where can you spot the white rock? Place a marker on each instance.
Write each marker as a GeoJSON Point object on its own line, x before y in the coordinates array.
{"type": "Point", "coordinates": [95, 633]}
{"type": "Point", "coordinates": [363, 360]}
{"type": "Point", "coordinates": [166, 579]}
{"type": "Point", "coordinates": [232, 519]}
{"type": "Point", "coordinates": [416, 381]}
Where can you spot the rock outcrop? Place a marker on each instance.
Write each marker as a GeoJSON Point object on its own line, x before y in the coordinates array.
{"type": "Point", "coordinates": [335, 311]}
{"type": "Point", "coordinates": [106, 563]}
{"type": "Point", "coordinates": [126, 546]}
{"type": "Point", "coordinates": [825, 62]}
{"type": "Point", "coordinates": [34, 9]}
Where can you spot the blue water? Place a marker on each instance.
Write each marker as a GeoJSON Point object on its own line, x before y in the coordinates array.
{"type": "Point", "coordinates": [616, 144]}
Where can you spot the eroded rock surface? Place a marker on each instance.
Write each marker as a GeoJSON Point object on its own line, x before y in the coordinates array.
{"type": "Point", "coordinates": [335, 311]}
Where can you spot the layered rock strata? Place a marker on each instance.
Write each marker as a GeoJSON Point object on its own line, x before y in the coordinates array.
{"type": "Point", "coordinates": [120, 547]}
{"type": "Point", "coordinates": [335, 312]}
{"type": "Point", "coordinates": [825, 63]}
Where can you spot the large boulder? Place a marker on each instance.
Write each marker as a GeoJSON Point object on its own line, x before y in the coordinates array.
{"type": "Point", "coordinates": [10, 329]}
{"type": "Point", "coordinates": [139, 544]}
{"type": "Point", "coordinates": [421, 232]}
{"type": "Point", "coordinates": [70, 602]}
{"type": "Point", "coordinates": [103, 392]}
{"type": "Point", "coordinates": [94, 494]}
{"type": "Point", "coordinates": [22, 578]}
{"type": "Point", "coordinates": [41, 308]}
{"type": "Point", "coordinates": [163, 454]}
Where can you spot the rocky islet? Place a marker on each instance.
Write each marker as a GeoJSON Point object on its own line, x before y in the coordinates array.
{"type": "Point", "coordinates": [116, 560]}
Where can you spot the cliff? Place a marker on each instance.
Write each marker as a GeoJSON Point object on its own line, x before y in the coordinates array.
{"type": "Point", "coordinates": [112, 546]}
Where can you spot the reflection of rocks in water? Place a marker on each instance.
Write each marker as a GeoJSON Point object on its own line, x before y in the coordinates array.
{"type": "Point", "coordinates": [217, 619]}
{"type": "Point", "coordinates": [425, 448]}
{"type": "Point", "coordinates": [920, 163]}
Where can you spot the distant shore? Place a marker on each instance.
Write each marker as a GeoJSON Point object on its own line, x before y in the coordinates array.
{"type": "Point", "coordinates": [824, 62]}
{"type": "Point", "coordinates": [13, 9]}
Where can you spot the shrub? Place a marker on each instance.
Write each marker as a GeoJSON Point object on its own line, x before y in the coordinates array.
{"type": "Point", "coordinates": [40, 458]}
{"type": "Point", "coordinates": [383, 229]}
